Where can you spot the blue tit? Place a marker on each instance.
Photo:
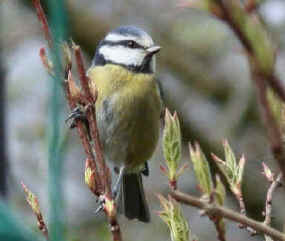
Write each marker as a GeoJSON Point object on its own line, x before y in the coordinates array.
{"type": "Point", "coordinates": [128, 111]}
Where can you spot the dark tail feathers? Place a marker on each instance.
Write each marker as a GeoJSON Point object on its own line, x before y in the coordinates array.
{"type": "Point", "coordinates": [132, 200]}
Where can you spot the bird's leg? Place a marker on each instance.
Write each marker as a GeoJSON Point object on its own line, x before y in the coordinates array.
{"type": "Point", "coordinates": [116, 187]}
{"type": "Point", "coordinates": [101, 205]}
{"type": "Point", "coordinates": [145, 171]}
{"type": "Point", "coordinates": [115, 190]}
{"type": "Point", "coordinates": [78, 113]}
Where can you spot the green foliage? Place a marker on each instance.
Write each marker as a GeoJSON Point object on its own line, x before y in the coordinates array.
{"type": "Point", "coordinates": [201, 168]}
{"type": "Point", "coordinates": [171, 144]}
{"type": "Point", "coordinates": [210, 193]}
{"type": "Point", "coordinates": [173, 217]}
{"type": "Point", "coordinates": [172, 141]}
{"type": "Point", "coordinates": [232, 170]}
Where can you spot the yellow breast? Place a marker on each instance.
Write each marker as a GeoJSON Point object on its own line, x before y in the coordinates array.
{"type": "Point", "coordinates": [134, 104]}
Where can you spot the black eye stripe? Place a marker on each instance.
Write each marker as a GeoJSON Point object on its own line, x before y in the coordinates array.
{"type": "Point", "coordinates": [122, 43]}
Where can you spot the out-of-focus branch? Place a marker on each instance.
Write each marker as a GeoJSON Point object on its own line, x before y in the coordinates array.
{"type": "Point", "coordinates": [43, 20]}
{"type": "Point", "coordinates": [3, 151]}
{"type": "Point", "coordinates": [214, 209]}
{"type": "Point", "coordinates": [274, 133]}
{"type": "Point", "coordinates": [261, 56]}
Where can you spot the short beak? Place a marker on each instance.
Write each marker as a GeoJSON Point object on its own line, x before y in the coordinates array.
{"type": "Point", "coordinates": [153, 49]}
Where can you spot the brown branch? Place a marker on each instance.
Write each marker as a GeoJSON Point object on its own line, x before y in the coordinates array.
{"type": "Point", "coordinates": [43, 20]}
{"type": "Point", "coordinates": [214, 209]}
{"type": "Point", "coordinates": [115, 228]}
{"type": "Point", "coordinates": [86, 98]}
{"type": "Point", "coordinates": [81, 128]}
{"type": "Point", "coordinates": [268, 203]}
{"type": "Point", "coordinates": [91, 116]}
{"type": "Point", "coordinates": [250, 5]}
{"type": "Point", "coordinates": [42, 226]}
{"type": "Point", "coordinates": [241, 204]}
{"type": "Point", "coordinates": [220, 229]}
{"type": "Point", "coordinates": [240, 200]}
{"type": "Point", "coordinates": [102, 174]}
{"type": "Point", "coordinates": [46, 62]}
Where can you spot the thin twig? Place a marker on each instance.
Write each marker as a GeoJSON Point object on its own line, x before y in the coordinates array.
{"type": "Point", "coordinates": [268, 203]}
{"type": "Point", "coordinates": [34, 204]}
{"type": "Point", "coordinates": [220, 230]}
{"type": "Point", "coordinates": [250, 5]}
{"type": "Point", "coordinates": [45, 61]}
{"type": "Point", "coordinates": [241, 204]}
{"type": "Point", "coordinates": [214, 209]}
{"type": "Point", "coordinates": [240, 200]}
{"type": "Point", "coordinates": [43, 20]}
{"type": "Point", "coordinates": [42, 226]}
{"type": "Point", "coordinates": [81, 128]}
{"type": "Point", "coordinates": [91, 116]}
{"type": "Point", "coordinates": [103, 172]}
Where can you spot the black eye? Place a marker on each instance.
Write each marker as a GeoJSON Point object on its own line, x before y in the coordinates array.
{"type": "Point", "coordinates": [132, 44]}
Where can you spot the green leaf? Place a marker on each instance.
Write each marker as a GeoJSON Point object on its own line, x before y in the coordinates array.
{"type": "Point", "coordinates": [173, 217]}
{"type": "Point", "coordinates": [241, 165]}
{"type": "Point", "coordinates": [230, 161]}
{"type": "Point", "coordinates": [201, 168]}
{"type": "Point", "coordinates": [171, 143]}
{"type": "Point", "coordinates": [232, 171]}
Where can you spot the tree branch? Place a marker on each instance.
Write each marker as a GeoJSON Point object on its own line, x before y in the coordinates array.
{"type": "Point", "coordinates": [236, 16]}
{"type": "Point", "coordinates": [91, 116]}
{"type": "Point", "coordinates": [268, 203]}
{"type": "Point", "coordinates": [214, 209]}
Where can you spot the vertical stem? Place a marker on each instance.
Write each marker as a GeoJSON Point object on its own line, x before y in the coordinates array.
{"type": "Point", "coordinates": [269, 196]}
{"type": "Point", "coordinates": [273, 130]}
{"type": "Point", "coordinates": [56, 221]}
{"type": "Point", "coordinates": [3, 151]}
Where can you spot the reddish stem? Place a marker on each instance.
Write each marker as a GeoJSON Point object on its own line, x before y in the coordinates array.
{"type": "Point", "coordinates": [43, 20]}
{"type": "Point", "coordinates": [91, 116]}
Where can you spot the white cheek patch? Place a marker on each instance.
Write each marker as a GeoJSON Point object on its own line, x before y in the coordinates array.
{"type": "Point", "coordinates": [145, 40]}
{"type": "Point", "coordinates": [123, 55]}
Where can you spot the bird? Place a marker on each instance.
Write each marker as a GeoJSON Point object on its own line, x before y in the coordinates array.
{"type": "Point", "coordinates": [128, 111]}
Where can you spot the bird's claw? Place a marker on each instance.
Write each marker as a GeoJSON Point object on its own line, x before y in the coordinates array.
{"type": "Point", "coordinates": [76, 114]}
{"type": "Point", "coordinates": [101, 205]}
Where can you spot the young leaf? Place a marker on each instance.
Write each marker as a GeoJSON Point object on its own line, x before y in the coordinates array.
{"type": "Point", "coordinates": [171, 143]}
{"type": "Point", "coordinates": [173, 217]}
{"type": "Point", "coordinates": [201, 168]}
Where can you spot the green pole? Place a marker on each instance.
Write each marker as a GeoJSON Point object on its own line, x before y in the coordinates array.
{"type": "Point", "coordinates": [56, 217]}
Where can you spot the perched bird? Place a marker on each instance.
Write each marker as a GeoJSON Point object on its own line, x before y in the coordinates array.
{"type": "Point", "coordinates": [128, 111]}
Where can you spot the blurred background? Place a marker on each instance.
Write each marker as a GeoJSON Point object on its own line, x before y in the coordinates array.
{"type": "Point", "coordinates": [204, 75]}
